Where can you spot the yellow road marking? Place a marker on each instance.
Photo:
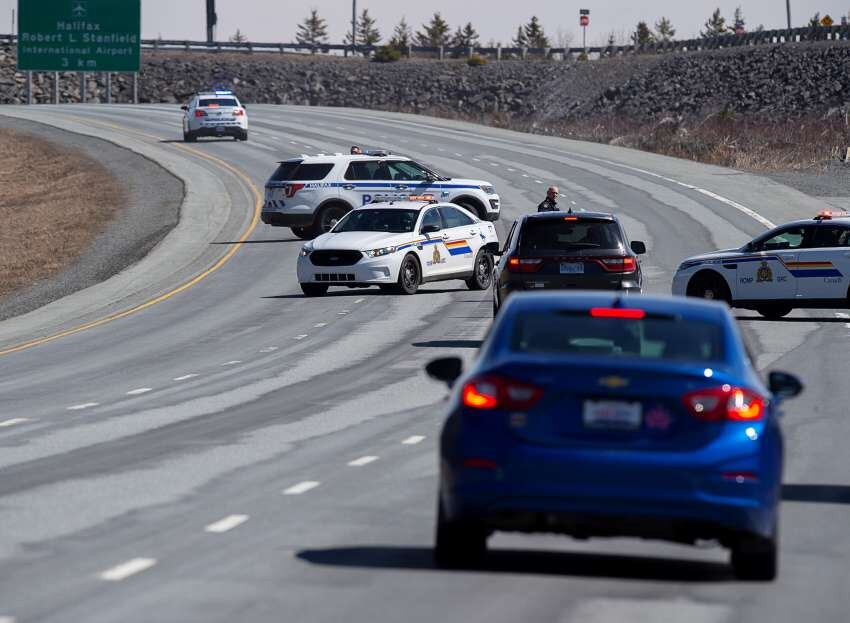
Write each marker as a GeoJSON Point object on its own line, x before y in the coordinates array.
{"type": "Point", "coordinates": [258, 205]}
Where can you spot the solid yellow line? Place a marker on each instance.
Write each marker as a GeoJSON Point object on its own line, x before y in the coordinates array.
{"type": "Point", "coordinates": [258, 206]}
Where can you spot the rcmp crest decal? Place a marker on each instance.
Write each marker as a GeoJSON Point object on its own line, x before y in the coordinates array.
{"type": "Point", "coordinates": [764, 273]}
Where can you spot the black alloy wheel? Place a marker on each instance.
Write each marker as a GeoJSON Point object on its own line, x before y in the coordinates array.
{"type": "Point", "coordinates": [328, 217]}
{"type": "Point", "coordinates": [482, 272]}
{"type": "Point", "coordinates": [408, 276]}
{"type": "Point", "coordinates": [709, 287]}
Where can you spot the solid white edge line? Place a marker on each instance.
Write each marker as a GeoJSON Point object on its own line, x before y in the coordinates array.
{"type": "Point", "coordinates": [301, 487]}
{"type": "Point", "coordinates": [226, 524]}
{"type": "Point", "coordinates": [12, 422]}
{"type": "Point", "coordinates": [139, 391]}
{"type": "Point", "coordinates": [85, 405]}
{"type": "Point", "coordinates": [185, 377]}
{"type": "Point", "coordinates": [363, 460]}
{"type": "Point", "coordinates": [413, 440]}
{"type": "Point", "coordinates": [126, 569]}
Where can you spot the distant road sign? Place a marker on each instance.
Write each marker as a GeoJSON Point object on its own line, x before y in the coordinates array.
{"type": "Point", "coordinates": [826, 21]}
{"type": "Point", "coordinates": [584, 11]}
{"type": "Point", "coordinates": [79, 35]}
{"type": "Point", "coordinates": [584, 20]}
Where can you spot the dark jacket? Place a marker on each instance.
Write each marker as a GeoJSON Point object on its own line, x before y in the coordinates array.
{"type": "Point", "coordinates": [548, 205]}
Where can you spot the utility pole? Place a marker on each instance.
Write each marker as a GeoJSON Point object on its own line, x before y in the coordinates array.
{"type": "Point", "coordinates": [353, 27]}
{"type": "Point", "coordinates": [788, 12]}
{"type": "Point", "coordinates": [212, 20]}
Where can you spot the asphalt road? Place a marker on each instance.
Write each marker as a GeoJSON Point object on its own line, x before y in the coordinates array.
{"type": "Point", "coordinates": [236, 452]}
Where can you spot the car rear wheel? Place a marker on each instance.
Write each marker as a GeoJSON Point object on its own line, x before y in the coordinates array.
{"type": "Point", "coordinates": [710, 287]}
{"type": "Point", "coordinates": [314, 289]}
{"type": "Point", "coordinates": [408, 276]}
{"type": "Point", "coordinates": [189, 137]}
{"type": "Point", "coordinates": [458, 544]}
{"type": "Point", "coordinates": [755, 558]}
{"type": "Point", "coordinates": [774, 312]}
{"type": "Point", "coordinates": [482, 272]}
{"type": "Point", "coordinates": [328, 217]}
{"type": "Point", "coordinates": [302, 232]}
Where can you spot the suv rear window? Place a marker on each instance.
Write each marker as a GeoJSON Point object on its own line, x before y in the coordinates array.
{"type": "Point", "coordinates": [219, 101]}
{"type": "Point", "coordinates": [653, 337]}
{"type": "Point", "coordinates": [288, 171]}
{"type": "Point", "coordinates": [562, 235]}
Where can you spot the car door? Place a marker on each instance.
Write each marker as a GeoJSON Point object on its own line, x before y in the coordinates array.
{"type": "Point", "coordinates": [431, 248]}
{"type": "Point", "coordinates": [464, 239]}
{"type": "Point", "coordinates": [413, 179]}
{"type": "Point", "coordinates": [823, 267]}
{"type": "Point", "coordinates": [356, 187]}
{"type": "Point", "coordinates": [764, 273]}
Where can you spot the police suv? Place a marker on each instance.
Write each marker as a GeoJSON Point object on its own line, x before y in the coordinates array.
{"type": "Point", "coordinates": [803, 264]}
{"type": "Point", "coordinates": [311, 193]}
{"type": "Point", "coordinates": [214, 113]}
{"type": "Point", "coordinates": [398, 245]}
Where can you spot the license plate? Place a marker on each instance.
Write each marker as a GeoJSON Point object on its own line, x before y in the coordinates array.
{"type": "Point", "coordinates": [612, 414]}
{"type": "Point", "coordinates": [219, 128]}
{"type": "Point", "coordinates": [572, 268]}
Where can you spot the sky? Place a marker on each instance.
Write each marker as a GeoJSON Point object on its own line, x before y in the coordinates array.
{"type": "Point", "coordinates": [276, 20]}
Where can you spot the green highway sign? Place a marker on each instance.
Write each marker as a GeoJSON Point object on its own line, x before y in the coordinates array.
{"type": "Point", "coordinates": [79, 35]}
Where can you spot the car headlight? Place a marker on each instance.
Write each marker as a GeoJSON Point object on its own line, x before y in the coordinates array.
{"type": "Point", "coordinates": [379, 252]}
{"type": "Point", "coordinates": [306, 250]}
{"type": "Point", "coordinates": [488, 189]}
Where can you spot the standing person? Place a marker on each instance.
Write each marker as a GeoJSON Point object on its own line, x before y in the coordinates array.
{"type": "Point", "coordinates": [356, 151]}
{"type": "Point", "coordinates": [550, 203]}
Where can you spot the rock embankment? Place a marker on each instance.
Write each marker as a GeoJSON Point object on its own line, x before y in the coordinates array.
{"type": "Point", "coordinates": [776, 82]}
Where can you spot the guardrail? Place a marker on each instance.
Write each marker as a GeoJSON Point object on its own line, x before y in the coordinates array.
{"type": "Point", "coordinates": [794, 35]}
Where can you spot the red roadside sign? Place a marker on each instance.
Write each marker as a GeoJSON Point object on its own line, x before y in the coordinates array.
{"type": "Point", "coordinates": [584, 20]}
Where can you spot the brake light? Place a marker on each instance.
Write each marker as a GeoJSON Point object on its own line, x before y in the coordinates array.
{"type": "Point", "coordinates": [617, 312]}
{"type": "Point", "coordinates": [570, 218]}
{"type": "Point", "coordinates": [200, 113]}
{"type": "Point", "coordinates": [624, 264]}
{"type": "Point", "coordinates": [527, 265]}
{"type": "Point", "coordinates": [238, 112]}
{"type": "Point", "coordinates": [291, 189]}
{"type": "Point", "coordinates": [716, 404]}
{"type": "Point", "coordinates": [499, 392]}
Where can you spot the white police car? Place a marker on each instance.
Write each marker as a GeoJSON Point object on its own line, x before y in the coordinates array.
{"type": "Point", "coordinates": [214, 113]}
{"type": "Point", "coordinates": [803, 264]}
{"type": "Point", "coordinates": [399, 245]}
{"type": "Point", "coordinates": [311, 193]}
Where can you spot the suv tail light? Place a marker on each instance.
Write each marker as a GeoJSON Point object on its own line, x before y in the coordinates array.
{"type": "Point", "coordinates": [291, 189]}
{"type": "Point", "coordinates": [527, 265]}
{"type": "Point", "coordinates": [500, 392]}
{"type": "Point", "coordinates": [715, 404]}
{"type": "Point", "coordinates": [624, 264]}
{"type": "Point", "coordinates": [238, 112]}
{"type": "Point", "coordinates": [200, 113]}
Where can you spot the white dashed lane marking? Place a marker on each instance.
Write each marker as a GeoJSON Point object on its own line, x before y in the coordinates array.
{"type": "Point", "coordinates": [300, 337]}
{"type": "Point", "coordinates": [185, 377]}
{"type": "Point", "coordinates": [139, 391]}
{"type": "Point", "coordinates": [363, 460]}
{"type": "Point", "coordinates": [231, 363]}
{"type": "Point", "coordinates": [358, 301]}
{"type": "Point", "coordinates": [458, 155]}
{"type": "Point", "coordinates": [413, 440]}
{"type": "Point", "coordinates": [268, 349]}
{"type": "Point", "coordinates": [13, 422]}
{"type": "Point", "coordinates": [85, 405]}
{"type": "Point", "coordinates": [301, 487]}
{"type": "Point", "coordinates": [226, 524]}
{"type": "Point", "coordinates": [126, 569]}
{"type": "Point", "coordinates": [525, 175]}
{"type": "Point", "coordinates": [343, 312]}
{"type": "Point", "coordinates": [320, 325]}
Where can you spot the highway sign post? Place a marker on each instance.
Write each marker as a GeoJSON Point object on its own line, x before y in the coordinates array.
{"type": "Point", "coordinates": [584, 22]}
{"type": "Point", "coordinates": [79, 36]}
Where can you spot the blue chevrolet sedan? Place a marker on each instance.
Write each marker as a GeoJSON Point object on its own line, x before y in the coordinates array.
{"type": "Point", "coordinates": [598, 415]}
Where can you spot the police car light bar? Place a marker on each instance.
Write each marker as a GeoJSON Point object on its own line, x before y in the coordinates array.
{"type": "Point", "coordinates": [428, 198]}
{"type": "Point", "coordinates": [827, 215]}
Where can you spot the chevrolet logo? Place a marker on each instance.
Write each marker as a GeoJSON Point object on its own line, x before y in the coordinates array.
{"type": "Point", "coordinates": [614, 382]}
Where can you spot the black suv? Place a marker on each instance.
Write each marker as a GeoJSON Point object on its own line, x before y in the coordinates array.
{"type": "Point", "coordinates": [563, 250]}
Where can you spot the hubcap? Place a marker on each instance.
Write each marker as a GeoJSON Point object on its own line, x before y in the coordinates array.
{"type": "Point", "coordinates": [483, 271]}
{"type": "Point", "coordinates": [409, 274]}
{"type": "Point", "coordinates": [709, 294]}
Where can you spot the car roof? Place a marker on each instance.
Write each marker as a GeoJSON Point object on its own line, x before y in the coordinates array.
{"type": "Point", "coordinates": [542, 216]}
{"type": "Point", "coordinates": [338, 157]}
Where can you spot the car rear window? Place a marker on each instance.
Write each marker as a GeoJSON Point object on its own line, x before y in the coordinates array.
{"type": "Point", "coordinates": [540, 235]}
{"type": "Point", "coordinates": [219, 101]}
{"type": "Point", "coordinates": [295, 170]}
{"type": "Point", "coordinates": [553, 332]}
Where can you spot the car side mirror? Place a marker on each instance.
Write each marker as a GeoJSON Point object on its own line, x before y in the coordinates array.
{"type": "Point", "coordinates": [186, 108]}
{"type": "Point", "coordinates": [638, 247]}
{"type": "Point", "coordinates": [430, 229]}
{"type": "Point", "coordinates": [447, 369]}
{"type": "Point", "coordinates": [784, 385]}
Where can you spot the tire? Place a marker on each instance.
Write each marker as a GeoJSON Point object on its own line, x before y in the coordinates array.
{"type": "Point", "coordinates": [755, 558]}
{"type": "Point", "coordinates": [409, 276]}
{"type": "Point", "coordinates": [709, 286]}
{"type": "Point", "coordinates": [482, 275]}
{"type": "Point", "coordinates": [314, 289]}
{"type": "Point", "coordinates": [244, 137]}
{"type": "Point", "coordinates": [774, 312]}
{"type": "Point", "coordinates": [457, 544]}
{"type": "Point", "coordinates": [328, 217]}
{"type": "Point", "coordinates": [472, 209]}
{"type": "Point", "coordinates": [189, 137]}
{"type": "Point", "coordinates": [302, 232]}
{"type": "Point", "coordinates": [387, 288]}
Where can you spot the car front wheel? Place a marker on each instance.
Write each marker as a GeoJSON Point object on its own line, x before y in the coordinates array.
{"type": "Point", "coordinates": [774, 312]}
{"type": "Point", "coordinates": [710, 287]}
{"type": "Point", "coordinates": [408, 276]}
{"type": "Point", "coordinates": [314, 289]}
{"type": "Point", "coordinates": [482, 272]}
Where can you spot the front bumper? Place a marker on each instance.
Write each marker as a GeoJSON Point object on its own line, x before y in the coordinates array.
{"type": "Point", "coordinates": [493, 208]}
{"type": "Point", "coordinates": [367, 271]}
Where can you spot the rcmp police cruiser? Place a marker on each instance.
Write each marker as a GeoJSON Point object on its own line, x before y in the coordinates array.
{"type": "Point", "coordinates": [802, 264]}
{"type": "Point", "coordinates": [311, 193]}
{"type": "Point", "coordinates": [214, 113]}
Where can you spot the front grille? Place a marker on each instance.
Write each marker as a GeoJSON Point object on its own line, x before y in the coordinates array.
{"type": "Point", "coordinates": [334, 276]}
{"type": "Point", "coordinates": [335, 258]}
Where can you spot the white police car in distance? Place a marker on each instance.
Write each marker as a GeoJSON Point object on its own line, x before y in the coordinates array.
{"type": "Point", "coordinates": [311, 193]}
{"type": "Point", "coordinates": [398, 246]}
{"type": "Point", "coordinates": [803, 264]}
{"type": "Point", "coordinates": [214, 113]}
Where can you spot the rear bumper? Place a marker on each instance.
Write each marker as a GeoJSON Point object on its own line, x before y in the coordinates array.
{"type": "Point", "coordinates": [207, 131]}
{"type": "Point", "coordinates": [279, 219]}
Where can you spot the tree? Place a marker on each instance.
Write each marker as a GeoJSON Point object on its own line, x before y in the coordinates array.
{"type": "Point", "coordinates": [314, 30]}
{"type": "Point", "coordinates": [740, 25]}
{"type": "Point", "coordinates": [664, 30]}
{"type": "Point", "coordinates": [814, 22]}
{"type": "Point", "coordinates": [366, 30]}
{"type": "Point", "coordinates": [535, 35]}
{"type": "Point", "coordinates": [714, 26]}
{"type": "Point", "coordinates": [435, 33]}
{"type": "Point", "coordinates": [643, 35]}
{"type": "Point", "coordinates": [402, 36]}
{"type": "Point", "coordinates": [520, 41]}
{"type": "Point", "coordinates": [465, 37]}
{"type": "Point", "coordinates": [237, 37]}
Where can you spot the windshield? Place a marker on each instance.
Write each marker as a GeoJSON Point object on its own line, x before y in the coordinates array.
{"type": "Point", "coordinates": [557, 235]}
{"type": "Point", "coordinates": [577, 333]}
{"type": "Point", "coordinates": [390, 221]}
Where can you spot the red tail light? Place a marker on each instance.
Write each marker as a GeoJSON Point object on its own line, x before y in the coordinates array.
{"type": "Point", "coordinates": [291, 189]}
{"type": "Point", "coordinates": [624, 264]}
{"type": "Point", "coordinates": [238, 112]}
{"type": "Point", "coordinates": [527, 265]}
{"type": "Point", "coordinates": [716, 404]}
{"type": "Point", "coordinates": [499, 392]}
{"type": "Point", "coordinates": [617, 312]}
{"type": "Point", "coordinates": [200, 113]}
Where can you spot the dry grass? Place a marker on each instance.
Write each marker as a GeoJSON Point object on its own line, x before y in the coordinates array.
{"type": "Point", "coordinates": [53, 203]}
